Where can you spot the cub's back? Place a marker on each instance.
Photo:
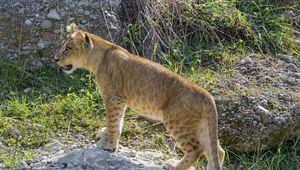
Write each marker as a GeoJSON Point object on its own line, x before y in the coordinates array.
{"type": "Point", "coordinates": [148, 86]}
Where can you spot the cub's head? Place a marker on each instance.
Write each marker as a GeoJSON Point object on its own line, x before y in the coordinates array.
{"type": "Point", "coordinates": [74, 51]}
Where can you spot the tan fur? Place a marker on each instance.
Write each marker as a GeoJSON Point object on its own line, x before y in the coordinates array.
{"type": "Point", "coordinates": [187, 111]}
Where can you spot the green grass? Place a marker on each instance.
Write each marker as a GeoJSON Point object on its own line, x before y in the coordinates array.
{"type": "Point", "coordinates": [59, 105]}
{"type": "Point", "coordinates": [207, 32]}
{"type": "Point", "coordinates": [285, 156]}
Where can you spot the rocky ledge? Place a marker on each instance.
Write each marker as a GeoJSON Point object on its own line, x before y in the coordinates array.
{"type": "Point", "coordinates": [56, 156]}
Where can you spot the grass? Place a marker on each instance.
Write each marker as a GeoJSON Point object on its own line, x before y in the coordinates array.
{"type": "Point", "coordinates": [36, 107]}
{"type": "Point", "coordinates": [285, 156]}
{"type": "Point", "coordinates": [59, 106]}
{"type": "Point", "coordinates": [212, 29]}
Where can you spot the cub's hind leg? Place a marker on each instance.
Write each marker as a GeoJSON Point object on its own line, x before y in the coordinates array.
{"type": "Point", "coordinates": [115, 108]}
{"type": "Point", "coordinates": [209, 147]}
{"type": "Point", "coordinates": [184, 129]}
{"type": "Point", "coordinates": [221, 154]}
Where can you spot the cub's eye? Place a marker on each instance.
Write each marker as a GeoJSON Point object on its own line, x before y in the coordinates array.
{"type": "Point", "coordinates": [67, 49]}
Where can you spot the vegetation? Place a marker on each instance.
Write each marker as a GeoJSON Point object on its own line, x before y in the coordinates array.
{"type": "Point", "coordinates": [41, 105]}
{"type": "Point", "coordinates": [207, 32]}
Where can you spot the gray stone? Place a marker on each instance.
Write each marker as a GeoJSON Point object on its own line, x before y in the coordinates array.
{"type": "Point", "coordinates": [289, 81]}
{"type": "Point", "coordinates": [41, 44]}
{"type": "Point", "coordinates": [1, 145]}
{"type": "Point", "coordinates": [27, 90]}
{"type": "Point", "coordinates": [43, 158]}
{"type": "Point", "coordinates": [52, 65]}
{"type": "Point", "coordinates": [27, 47]}
{"type": "Point", "coordinates": [279, 120]}
{"type": "Point", "coordinates": [54, 146]}
{"type": "Point", "coordinates": [83, 3]}
{"type": "Point", "coordinates": [38, 166]}
{"type": "Point", "coordinates": [264, 103]}
{"type": "Point", "coordinates": [86, 13]}
{"type": "Point", "coordinates": [29, 162]}
{"type": "Point", "coordinates": [46, 24]}
{"type": "Point", "coordinates": [39, 126]}
{"type": "Point", "coordinates": [284, 97]}
{"type": "Point", "coordinates": [14, 131]}
{"type": "Point", "coordinates": [261, 111]}
{"type": "Point", "coordinates": [100, 159]}
{"type": "Point", "coordinates": [246, 61]}
{"type": "Point", "coordinates": [28, 22]}
{"type": "Point", "coordinates": [53, 15]}
{"type": "Point", "coordinates": [37, 63]}
{"type": "Point", "coordinates": [286, 58]}
{"type": "Point", "coordinates": [292, 67]}
{"type": "Point", "coordinates": [256, 117]}
{"type": "Point", "coordinates": [23, 166]}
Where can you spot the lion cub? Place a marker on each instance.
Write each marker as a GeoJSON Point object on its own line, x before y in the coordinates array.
{"type": "Point", "coordinates": [187, 111]}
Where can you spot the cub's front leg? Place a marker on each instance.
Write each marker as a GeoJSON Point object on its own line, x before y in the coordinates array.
{"type": "Point", "coordinates": [109, 137]}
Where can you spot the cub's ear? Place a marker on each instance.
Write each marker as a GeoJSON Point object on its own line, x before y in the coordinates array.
{"type": "Point", "coordinates": [72, 28]}
{"type": "Point", "coordinates": [78, 35]}
{"type": "Point", "coordinates": [88, 41]}
{"type": "Point", "coordinates": [82, 39]}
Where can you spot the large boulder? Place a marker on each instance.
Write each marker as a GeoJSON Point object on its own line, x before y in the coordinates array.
{"type": "Point", "coordinates": [259, 102]}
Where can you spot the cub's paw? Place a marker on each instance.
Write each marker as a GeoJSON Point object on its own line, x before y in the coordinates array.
{"type": "Point", "coordinates": [170, 164]}
{"type": "Point", "coordinates": [104, 143]}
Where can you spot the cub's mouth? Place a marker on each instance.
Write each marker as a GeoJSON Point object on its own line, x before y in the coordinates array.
{"type": "Point", "coordinates": [68, 67]}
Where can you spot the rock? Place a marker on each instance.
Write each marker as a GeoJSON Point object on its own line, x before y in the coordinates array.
{"type": "Point", "coordinates": [292, 67]}
{"type": "Point", "coordinates": [2, 145]}
{"type": "Point", "coordinates": [37, 63]}
{"type": "Point", "coordinates": [288, 59]}
{"type": "Point", "coordinates": [267, 108]}
{"type": "Point", "coordinates": [261, 111]}
{"type": "Point", "coordinates": [256, 117]}
{"type": "Point", "coordinates": [86, 13]}
{"type": "Point", "coordinates": [15, 132]}
{"type": "Point", "coordinates": [53, 15]}
{"type": "Point", "coordinates": [93, 158]}
{"type": "Point", "coordinates": [27, 47]}
{"type": "Point", "coordinates": [29, 162]}
{"type": "Point", "coordinates": [38, 166]}
{"type": "Point", "coordinates": [41, 44]}
{"type": "Point", "coordinates": [83, 3]}
{"type": "Point", "coordinates": [46, 24]}
{"type": "Point", "coordinates": [23, 166]}
{"type": "Point", "coordinates": [43, 158]}
{"type": "Point", "coordinates": [246, 61]}
{"type": "Point", "coordinates": [279, 120]}
{"type": "Point", "coordinates": [263, 104]}
{"type": "Point", "coordinates": [55, 146]}
{"type": "Point", "coordinates": [28, 22]}
{"type": "Point", "coordinates": [284, 97]}
{"type": "Point", "coordinates": [289, 81]}
{"type": "Point", "coordinates": [27, 90]}
{"type": "Point", "coordinates": [52, 65]}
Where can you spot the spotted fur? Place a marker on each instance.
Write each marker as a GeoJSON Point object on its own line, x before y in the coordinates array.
{"type": "Point", "coordinates": [187, 111]}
